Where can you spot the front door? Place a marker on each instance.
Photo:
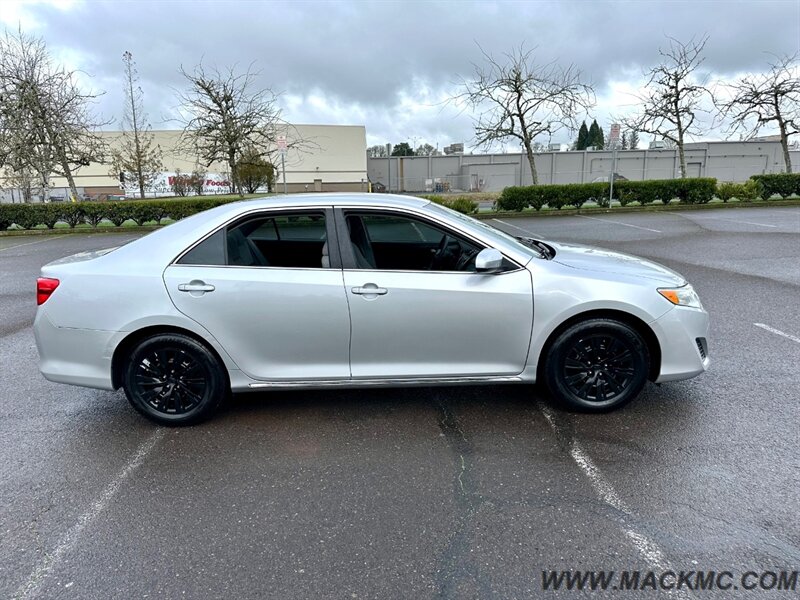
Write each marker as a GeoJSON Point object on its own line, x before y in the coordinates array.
{"type": "Point", "coordinates": [419, 310]}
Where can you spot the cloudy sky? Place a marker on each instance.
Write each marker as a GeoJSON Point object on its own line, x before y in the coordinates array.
{"type": "Point", "coordinates": [391, 65]}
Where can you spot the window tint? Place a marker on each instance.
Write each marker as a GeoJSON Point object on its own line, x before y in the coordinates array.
{"type": "Point", "coordinates": [290, 240]}
{"type": "Point", "coordinates": [210, 251]}
{"type": "Point", "coordinates": [399, 229]}
{"type": "Point", "coordinates": [396, 242]}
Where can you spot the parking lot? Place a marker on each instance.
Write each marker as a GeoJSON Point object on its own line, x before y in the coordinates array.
{"type": "Point", "coordinates": [453, 492]}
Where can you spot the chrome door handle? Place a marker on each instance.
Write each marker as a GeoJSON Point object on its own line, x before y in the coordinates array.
{"type": "Point", "coordinates": [196, 286]}
{"type": "Point", "coordinates": [369, 290]}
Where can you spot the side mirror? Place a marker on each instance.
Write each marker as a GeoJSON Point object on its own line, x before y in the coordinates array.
{"type": "Point", "coordinates": [488, 260]}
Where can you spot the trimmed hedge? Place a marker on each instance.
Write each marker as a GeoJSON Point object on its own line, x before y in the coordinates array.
{"type": "Point", "coordinates": [780, 184]}
{"type": "Point", "coordinates": [554, 196]}
{"type": "Point", "coordinates": [744, 192]}
{"type": "Point", "coordinates": [30, 216]}
{"type": "Point", "coordinates": [462, 204]}
{"type": "Point", "coordinates": [698, 190]}
{"type": "Point", "coordinates": [514, 198]}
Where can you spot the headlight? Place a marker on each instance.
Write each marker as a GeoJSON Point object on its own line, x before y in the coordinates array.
{"type": "Point", "coordinates": [682, 296]}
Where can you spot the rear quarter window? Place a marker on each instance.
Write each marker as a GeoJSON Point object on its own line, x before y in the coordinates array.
{"type": "Point", "coordinates": [211, 251]}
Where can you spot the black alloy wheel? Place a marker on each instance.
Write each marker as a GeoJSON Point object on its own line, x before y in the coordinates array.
{"type": "Point", "coordinates": [597, 365]}
{"type": "Point", "coordinates": [174, 380]}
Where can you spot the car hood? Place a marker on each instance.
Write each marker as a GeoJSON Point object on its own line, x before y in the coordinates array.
{"type": "Point", "coordinates": [600, 260]}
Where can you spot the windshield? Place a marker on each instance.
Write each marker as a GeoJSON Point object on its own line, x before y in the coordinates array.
{"type": "Point", "coordinates": [487, 230]}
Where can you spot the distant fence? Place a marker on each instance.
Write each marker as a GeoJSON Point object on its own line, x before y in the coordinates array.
{"type": "Point", "coordinates": [498, 182]}
{"type": "Point", "coordinates": [724, 161]}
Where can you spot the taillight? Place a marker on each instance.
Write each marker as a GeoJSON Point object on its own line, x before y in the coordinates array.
{"type": "Point", "coordinates": [44, 288]}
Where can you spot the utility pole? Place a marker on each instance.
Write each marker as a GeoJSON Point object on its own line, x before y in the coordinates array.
{"type": "Point", "coordinates": [389, 168]}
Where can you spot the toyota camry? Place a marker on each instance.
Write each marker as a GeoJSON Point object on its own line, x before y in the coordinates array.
{"type": "Point", "coordinates": [359, 290]}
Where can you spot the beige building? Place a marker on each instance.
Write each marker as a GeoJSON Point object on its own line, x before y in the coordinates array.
{"type": "Point", "coordinates": [332, 158]}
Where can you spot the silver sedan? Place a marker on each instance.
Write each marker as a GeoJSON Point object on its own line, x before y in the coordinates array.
{"type": "Point", "coordinates": [358, 290]}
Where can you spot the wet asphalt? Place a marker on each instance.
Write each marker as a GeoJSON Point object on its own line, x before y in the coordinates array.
{"type": "Point", "coordinates": [466, 492]}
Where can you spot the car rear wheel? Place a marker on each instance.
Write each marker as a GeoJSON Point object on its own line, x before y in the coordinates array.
{"type": "Point", "coordinates": [597, 365]}
{"type": "Point", "coordinates": [174, 380]}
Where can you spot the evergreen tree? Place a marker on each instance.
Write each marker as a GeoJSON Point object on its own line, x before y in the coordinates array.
{"type": "Point", "coordinates": [624, 141]}
{"type": "Point", "coordinates": [402, 149]}
{"type": "Point", "coordinates": [596, 138]}
{"type": "Point", "coordinates": [583, 137]}
{"type": "Point", "coordinates": [633, 139]}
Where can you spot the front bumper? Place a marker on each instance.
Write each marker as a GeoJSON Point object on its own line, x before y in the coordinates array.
{"type": "Point", "coordinates": [75, 356]}
{"type": "Point", "coordinates": [683, 336]}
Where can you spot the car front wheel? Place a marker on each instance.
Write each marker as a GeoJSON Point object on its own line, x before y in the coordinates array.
{"type": "Point", "coordinates": [174, 380]}
{"type": "Point", "coordinates": [597, 365]}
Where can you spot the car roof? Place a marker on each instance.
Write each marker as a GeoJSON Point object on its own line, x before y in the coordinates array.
{"type": "Point", "coordinates": [332, 199]}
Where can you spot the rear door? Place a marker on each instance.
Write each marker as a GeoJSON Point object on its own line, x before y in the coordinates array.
{"type": "Point", "coordinates": [271, 293]}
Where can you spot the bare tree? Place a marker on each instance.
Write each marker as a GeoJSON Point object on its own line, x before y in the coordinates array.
{"type": "Point", "coordinates": [198, 178]}
{"type": "Point", "coordinates": [24, 154]}
{"type": "Point", "coordinates": [768, 99]}
{"type": "Point", "coordinates": [138, 157]}
{"type": "Point", "coordinates": [426, 149]}
{"type": "Point", "coordinates": [181, 183]}
{"type": "Point", "coordinates": [224, 115]}
{"type": "Point", "coordinates": [514, 97]}
{"type": "Point", "coordinates": [47, 127]}
{"type": "Point", "coordinates": [377, 151]}
{"type": "Point", "coordinates": [673, 96]}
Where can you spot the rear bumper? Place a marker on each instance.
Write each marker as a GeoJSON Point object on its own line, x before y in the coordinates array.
{"type": "Point", "coordinates": [74, 356]}
{"type": "Point", "coordinates": [682, 334]}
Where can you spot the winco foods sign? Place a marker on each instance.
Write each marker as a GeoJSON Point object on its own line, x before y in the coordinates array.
{"type": "Point", "coordinates": [214, 183]}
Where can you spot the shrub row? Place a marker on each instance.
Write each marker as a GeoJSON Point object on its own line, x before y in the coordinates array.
{"type": "Point", "coordinates": [744, 192]}
{"type": "Point", "coordinates": [554, 196]}
{"type": "Point", "coordinates": [689, 191]}
{"type": "Point", "coordinates": [780, 184]}
{"type": "Point", "coordinates": [462, 204]}
{"type": "Point", "coordinates": [699, 190]}
{"type": "Point", "coordinates": [29, 216]}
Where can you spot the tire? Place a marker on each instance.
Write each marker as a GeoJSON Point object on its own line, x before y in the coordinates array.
{"type": "Point", "coordinates": [174, 380]}
{"type": "Point", "coordinates": [597, 365]}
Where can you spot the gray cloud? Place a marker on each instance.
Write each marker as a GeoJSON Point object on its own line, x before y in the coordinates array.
{"type": "Point", "coordinates": [368, 61]}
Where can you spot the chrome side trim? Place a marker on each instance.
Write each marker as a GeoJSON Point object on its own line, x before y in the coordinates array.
{"type": "Point", "coordinates": [326, 383]}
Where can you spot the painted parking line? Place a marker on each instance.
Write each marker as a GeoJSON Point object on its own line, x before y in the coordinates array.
{"type": "Point", "coordinates": [525, 231]}
{"type": "Point", "coordinates": [30, 589]}
{"type": "Point", "coordinates": [729, 220]}
{"type": "Point", "coordinates": [620, 223]}
{"type": "Point", "coordinates": [788, 336]}
{"type": "Point", "coordinates": [46, 239]}
{"type": "Point", "coordinates": [647, 548]}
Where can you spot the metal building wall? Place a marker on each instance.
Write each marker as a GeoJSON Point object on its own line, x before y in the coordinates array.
{"type": "Point", "coordinates": [725, 161]}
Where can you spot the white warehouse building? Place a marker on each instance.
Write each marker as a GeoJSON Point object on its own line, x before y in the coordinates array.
{"type": "Point", "coordinates": [333, 158]}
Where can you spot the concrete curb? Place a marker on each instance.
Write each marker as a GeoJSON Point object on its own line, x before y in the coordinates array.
{"type": "Point", "coordinates": [86, 230]}
{"type": "Point", "coordinates": [632, 209]}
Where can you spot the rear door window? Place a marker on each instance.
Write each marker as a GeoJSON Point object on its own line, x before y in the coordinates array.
{"type": "Point", "coordinates": [296, 240]}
